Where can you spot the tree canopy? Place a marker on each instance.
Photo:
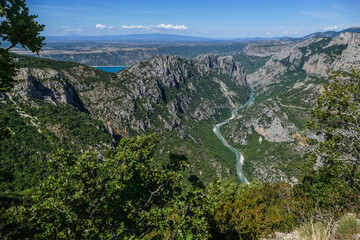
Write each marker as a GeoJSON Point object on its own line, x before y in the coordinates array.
{"type": "Point", "coordinates": [333, 167]}
{"type": "Point", "coordinates": [86, 196]}
{"type": "Point", "coordinates": [18, 26]}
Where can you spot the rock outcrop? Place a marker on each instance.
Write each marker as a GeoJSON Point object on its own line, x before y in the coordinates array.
{"type": "Point", "coordinates": [286, 88]}
{"type": "Point", "coordinates": [176, 97]}
{"type": "Point", "coordinates": [314, 56]}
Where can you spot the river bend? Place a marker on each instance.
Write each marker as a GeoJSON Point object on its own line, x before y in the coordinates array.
{"type": "Point", "coordinates": [239, 156]}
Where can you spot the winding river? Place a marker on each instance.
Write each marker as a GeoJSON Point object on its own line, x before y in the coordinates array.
{"type": "Point", "coordinates": [239, 156]}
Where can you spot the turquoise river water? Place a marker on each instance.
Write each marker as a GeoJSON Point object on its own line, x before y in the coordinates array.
{"type": "Point", "coordinates": [239, 156]}
{"type": "Point", "coordinates": [112, 69]}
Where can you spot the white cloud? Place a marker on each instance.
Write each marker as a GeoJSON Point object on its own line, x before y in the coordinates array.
{"type": "Point", "coordinates": [71, 29]}
{"type": "Point", "coordinates": [74, 30]}
{"type": "Point", "coordinates": [331, 28]}
{"type": "Point", "coordinates": [160, 26]}
{"type": "Point", "coordinates": [170, 26]}
{"type": "Point", "coordinates": [100, 26]}
{"type": "Point", "coordinates": [269, 33]}
{"type": "Point", "coordinates": [135, 27]}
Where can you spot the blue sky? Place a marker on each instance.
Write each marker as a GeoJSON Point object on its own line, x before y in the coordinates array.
{"type": "Point", "coordinates": [207, 18]}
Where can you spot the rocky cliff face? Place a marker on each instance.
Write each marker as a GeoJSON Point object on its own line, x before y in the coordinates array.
{"type": "Point", "coordinates": [47, 84]}
{"type": "Point", "coordinates": [269, 131]}
{"type": "Point", "coordinates": [314, 56]}
{"type": "Point", "coordinates": [177, 85]}
{"type": "Point", "coordinates": [181, 99]}
{"type": "Point", "coordinates": [176, 97]}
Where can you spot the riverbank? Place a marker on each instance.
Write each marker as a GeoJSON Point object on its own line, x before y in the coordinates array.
{"type": "Point", "coordinates": [239, 157]}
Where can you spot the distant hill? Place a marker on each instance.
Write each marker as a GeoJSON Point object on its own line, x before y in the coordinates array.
{"type": "Point", "coordinates": [155, 37]}
{"type": "Point", "coordinates": [331, 34]}
{"type": "Point", "coordinates": [352, 29]}
{"type": "Point", "coordinates": [251, 39]}
{"type": "Point", "coordinates": [158, 37]}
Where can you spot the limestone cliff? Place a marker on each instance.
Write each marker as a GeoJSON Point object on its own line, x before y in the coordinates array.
{"type": "Point", "coordinates": [178, 98]}
{"type": "Point", "coordinates": [269, 132]}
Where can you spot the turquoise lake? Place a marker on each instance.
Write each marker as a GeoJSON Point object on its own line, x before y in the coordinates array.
{"type": "Point", "coordinates": [111, 69]}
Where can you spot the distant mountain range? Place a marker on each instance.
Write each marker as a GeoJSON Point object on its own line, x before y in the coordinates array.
{"type": "Point", "coordinates": [154, 37]}
{"type": "Point", "coordinates": [331, 34]}
{"type": "Point", "coordinates": [158, 37]}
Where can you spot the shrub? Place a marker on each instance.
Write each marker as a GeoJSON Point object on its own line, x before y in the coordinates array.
{"type": "Point", "coordinates": [259, 211]}
{"type": "Point", "coordinates": [347, 227]}
{"type": "Point", "coordinates": [315, 231]}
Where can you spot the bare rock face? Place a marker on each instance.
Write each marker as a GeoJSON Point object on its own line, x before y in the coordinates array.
{"type": "Point", "coordinates": [166, 94]}
{"type": "Point", "coordinates": [176, 88]}
{"type": "Point", "coordinates": [287, 85]}
{"type": "Point", "coordinates": [47, 84]}
{"type": "Point", "coordinates": [176, 83]}
{"type": "Point", "coordinates": [259, 51]}
{"type": "Point", "coordinates": [318, 64]}
{"type": "Point", "coordinates": [267, 120]}
{"type": "Point", "coordinates": [314, 56]}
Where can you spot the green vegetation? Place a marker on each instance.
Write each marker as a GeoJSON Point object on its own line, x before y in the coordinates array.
{"type": "Point", "coordinates": [128, 195]}
{"type": "Point", "coordinates": [266, 160]}
{"type": "Point", "coordinates": [319, 47]}
{"type": "Point", "coordinates": [24, 152]}
{"type": "Point", "coordinates": [335, 118]}
{"type": "Point", "coordinates": [86, 197]}
{"type": "Point", "coordinates": [287, 159]}
{"type": "Point", "coordinates": [317, 230]}
{"type": "Point", "coordinates": [61, 66]}
{"type": "Point", "coordinates": [287, 95]}
{"type": "Point", "coordinates": [347, 227]}
{"type": "Point", "coordinates": [250, 63]}
{"type": "Point", "coordinates": [17, 27]}
{"type": "Point", "coordinates": [64, 126]}
{"type": "Point", "coordinates": [201, 144]}
{"type": "Point", "coordinates": [59, 182]}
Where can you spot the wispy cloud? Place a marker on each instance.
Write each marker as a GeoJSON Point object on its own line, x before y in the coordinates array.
{"type": "Point", "coordinates": [289, 33]}
{"type": "Point", "coordinates": [67, 29]}
{"type": "Point", "coordinates": [169, 26]}
{"type": "Point", "coordinates": [152, 12]}
{"type": "Point", "coordinates": [338, 6]}
{"type": "Point", "coordinates": [58, 7]}
{"type": "Point", "coordinates": [101, 26]}
{"type": "Point", "coordinates": [331, 28]}
{"type": "Point", "coordinates": [335, 10]}
{"type": "Point", "coordinates": [322, 15]}
{"type": "Point", "coordinates": [135, 27]}
{"type": "Point", "coordinates": [154, 27]}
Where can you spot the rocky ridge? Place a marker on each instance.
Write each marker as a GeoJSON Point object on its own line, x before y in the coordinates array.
{"type": "Point", "coordinates": [285, 91]}
{"type": "Point", "coordinates": [169, 95]}
{"type": "Point", "coordinates": [314, 56]}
